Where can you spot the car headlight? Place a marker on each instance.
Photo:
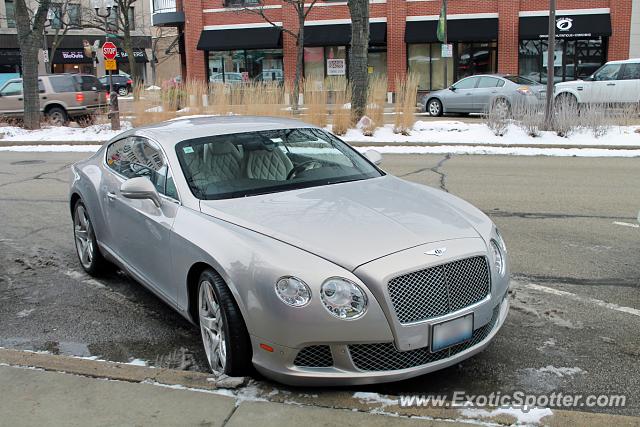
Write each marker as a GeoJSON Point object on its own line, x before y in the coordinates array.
{"type": "Point", "coordinates": [500, 240]}
{"type": "Point", "coordinates": [498, 258]}
{"type": "Point", "coordinates": [343, 298]}
{"type": "Point", "coordinates": [293, 291]}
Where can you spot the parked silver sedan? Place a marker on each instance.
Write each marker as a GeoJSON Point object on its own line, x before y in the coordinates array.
{"type": "Point", "coordinates": [480, 93]}
{"type": "Point", "coordinates": [292, 252]}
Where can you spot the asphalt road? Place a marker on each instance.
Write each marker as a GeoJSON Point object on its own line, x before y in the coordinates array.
{"type": "Point", "coordinates": [575, 319]}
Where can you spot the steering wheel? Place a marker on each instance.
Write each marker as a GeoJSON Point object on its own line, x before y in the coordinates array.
{"type": "Point", "coordinates": [302, 167]}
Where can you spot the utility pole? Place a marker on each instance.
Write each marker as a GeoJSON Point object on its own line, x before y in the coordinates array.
{"type": "Point", "coordinates": [446, 43]}
{"type": "Point", "coordinates": [110, 6]}
{"type": "Point", "coordinates": [551, 53]}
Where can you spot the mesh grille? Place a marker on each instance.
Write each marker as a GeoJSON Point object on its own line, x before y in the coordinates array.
{"type": "Point", "coordinates": [439, 290]}
{"type": "Point", "coordinates": [385, 357]}
{"type": "Point", "coordinates": [315, 356]}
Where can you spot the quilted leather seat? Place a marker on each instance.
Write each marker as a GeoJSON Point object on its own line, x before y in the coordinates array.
{"type": "Point", "coordinates": [268, 164]}
{"type": "Point", "coordinates": [223, 161]}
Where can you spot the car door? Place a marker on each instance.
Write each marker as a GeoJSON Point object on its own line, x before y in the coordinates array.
{"type": "Point", "coordinates": [604, 86]}
{"type": "Point", "coordinates": [486, 90]}
{"type": "Point", "coordinates": [11, 98]}
{"type": "Point", "coordinates": [629, 82]}
{"type": "Point", "coordinates": [460, 96]}
{"type": "Point", "coordinates": [140, 232]}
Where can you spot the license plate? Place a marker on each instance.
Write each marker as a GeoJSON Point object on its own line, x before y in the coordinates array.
{"type": "Point", "coordinates": [452, 332]}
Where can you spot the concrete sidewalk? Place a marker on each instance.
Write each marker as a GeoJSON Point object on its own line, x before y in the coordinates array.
{"type": "Point", "coordinates": [46, 389]}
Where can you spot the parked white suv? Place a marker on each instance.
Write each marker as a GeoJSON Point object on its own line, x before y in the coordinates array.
{"type": "Point", "coordinates": [614, 82]}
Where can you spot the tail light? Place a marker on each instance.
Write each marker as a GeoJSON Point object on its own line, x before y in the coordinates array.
{"type": "Point", "coordinates": [79, 97]}
{"type": "Point", "coordinates": [525, 90]}
{"type": "Point", "coordinates": [129, 82]}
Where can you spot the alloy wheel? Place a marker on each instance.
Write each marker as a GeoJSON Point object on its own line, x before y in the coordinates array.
{"type": "Point", "coordinates": [123, 91]}
{"type": "Point", "coordinates": [501, 108]}
{"type": "Point", "coordinates": [434, 108]}
{"type": "Point", "coordinates": [56, 118]}
{"type": "Point", "coordinates": [212, 327]}
{"type": "Point", "coordinates": [83, 233]}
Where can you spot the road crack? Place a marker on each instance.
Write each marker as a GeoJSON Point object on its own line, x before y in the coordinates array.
{"type": "Point", "coordinates": [443, 176]}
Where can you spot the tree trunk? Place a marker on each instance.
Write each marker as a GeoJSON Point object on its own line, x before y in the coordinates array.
{"type": "Point", "coordinates": [128, 47]}
{"type": "Point", "coordinates": [358, 71]}
{"type": "Point", "coordinates": [30, 38]}
{"type": "Point", "coordinates": [299, 61]}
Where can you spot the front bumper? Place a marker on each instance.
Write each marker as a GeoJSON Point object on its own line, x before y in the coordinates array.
{"type": "Point", "coordinates": [358, 364]}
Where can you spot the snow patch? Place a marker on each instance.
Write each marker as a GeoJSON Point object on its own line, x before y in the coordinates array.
{"type": "Point", "coordinates": [137, 362]}
{"type": "Point", "coordinates": [502, 151]}
{"type": "Point", "coordinates": [153, 87]}
{"type": "Point", "coordinates": [560, 371]}
{"type": "Point", "coordinates": [25, 313]}
{"type": "Point", "coordinates": [52, 148]}
{"type": "Point", "coordinates": [532, 416]}
{"type": "Point", "coordinates": [374, 398]}
{"type": "Point", "coordinates": [100, 133]}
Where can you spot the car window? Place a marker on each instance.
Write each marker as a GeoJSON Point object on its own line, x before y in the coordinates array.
{"type": "Point", "coordinates": [137, 157]}
{"type": "Point", "coordinates": [63, 84]}
{"type": "Point", "coordinates": [89, 83]}
{"type": "Point", "coordinates": [607, 72]}
{"type": "Point", "coordinates": [12, 88]}
{"type": "Point", "coordinates": [631, 72]}
{"type": "Point", "coordinates": [468, 83]}
{"type": "Point", "coordinates": [519, 80]}
{"type": "Point", "coordinates": [486, 82]}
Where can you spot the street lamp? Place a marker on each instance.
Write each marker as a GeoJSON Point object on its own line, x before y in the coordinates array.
{"type": "Point", "coordinates": [45, 48]}
{"type": "Point", "coordinates": [109, 6]}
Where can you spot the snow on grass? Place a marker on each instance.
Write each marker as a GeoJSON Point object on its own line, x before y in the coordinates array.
{"type": "Point", "coordinates": [52, 148]}
{"type": "Point", "coordinates": [456, 132]}
{"type": "Point", "coordinates": [532, 416]}
{"type": "Point", "coordinates": [503, 151]}
{"type": "Point", "coordinates": [98, 133]}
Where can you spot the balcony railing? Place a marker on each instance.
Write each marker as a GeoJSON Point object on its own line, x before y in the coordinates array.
{"type": "Point", "coordinates": [164, 6]}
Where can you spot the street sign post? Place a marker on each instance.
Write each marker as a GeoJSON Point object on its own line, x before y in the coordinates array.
{"type": "Point", "coordinates": [109, 50]}
{"type": "Point", "coordinates": [110, 65]}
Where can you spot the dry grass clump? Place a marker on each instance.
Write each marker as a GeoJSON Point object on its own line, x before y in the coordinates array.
{"type": "Point", "coordinates": [376, 99]}
{"type": "Point", "coordinates": [315, 103]}
{"type": "Point", "coordinates": [529, 118]}
{"type": "Point", "coordinates": [341, 118]}
{"type": "Point", "coordinates": [405, 106]}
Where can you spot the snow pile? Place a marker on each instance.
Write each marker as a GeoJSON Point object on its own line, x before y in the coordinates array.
{"type": "Point", "coordinates": [153, 87]}
{"type": "Point", "coordinates": [502, 151]}
{"type": "Point", "coordinates": [368, 397]}
{"type": "Point", "coordinates": [99, 133]}
{"type": "Point", "coordinates": [456, 132]}
{"type": "Point", "coordinates": [532, 416]}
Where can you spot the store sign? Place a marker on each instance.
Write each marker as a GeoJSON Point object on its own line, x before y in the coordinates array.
{"type": "Point", "coordinates": [336, 67]}
{"type": "Point", "coordinates": [45, 56]}
{"type": "Point", "coordinates": [564, 24]}
{"type": "Point", "coordinates": [447, 51]}
{"type": "Point", "coordinates": [110, 65]}
{"type": "Point", "coordinates": [72, 54]}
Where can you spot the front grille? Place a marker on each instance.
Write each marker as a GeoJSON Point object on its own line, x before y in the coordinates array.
{"type": "Point", "coordinates": [315, 356]}
{"type": "Point", "coordinates": [440, 290]}
{"type": "Point", "coordinates": [385, 356]}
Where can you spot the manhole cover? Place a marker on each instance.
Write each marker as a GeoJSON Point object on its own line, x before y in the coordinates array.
{"type": "Point", "coordinates": [28, 162]}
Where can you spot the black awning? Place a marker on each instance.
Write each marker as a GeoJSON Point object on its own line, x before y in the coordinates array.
{"type": "Point", "coordinates": [245, 38]}
{"type": "Point", "coordinates": [10, 57]}
{"type": "Point", "coordinates": [458, 30]}
{"type": "Point", "coordinates": [340, 34]}
{"type": "Point", "coordinates": [567, 26]}
{"type": "Point", "coordinates": [70, 56]}
{"type": "Point", "coordinates": [138, 54]}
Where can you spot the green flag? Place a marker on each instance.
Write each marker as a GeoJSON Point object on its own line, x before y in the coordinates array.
{"type": "Point", "coordinates": [442, 22]}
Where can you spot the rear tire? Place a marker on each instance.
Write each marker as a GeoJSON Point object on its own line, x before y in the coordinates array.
{"type": "Point", "coordinates": [434, 107]}
{"type": "Point", "coordinates": [86, 244]}
{"type": "Point", "coordinates": [123, 91]}
{"type": "Point", "coordinates": [224, 334]}
{"type": "Point", "coordinates": [57, 116]}
{"type": "Point", "coordinates": [567, 101]}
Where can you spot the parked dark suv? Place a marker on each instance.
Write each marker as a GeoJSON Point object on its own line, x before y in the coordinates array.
{"type": "Point", "coordinates": [121, 84]}
{"type": "Point", "coordinates": [62, 96]}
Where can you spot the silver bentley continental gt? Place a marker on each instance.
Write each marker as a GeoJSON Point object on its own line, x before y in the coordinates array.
{"type": "Point", "coordinates": [292, 252]}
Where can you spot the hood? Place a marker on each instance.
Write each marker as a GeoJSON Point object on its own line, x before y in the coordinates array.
{"type": "Point", "coordinates": [350, 223]}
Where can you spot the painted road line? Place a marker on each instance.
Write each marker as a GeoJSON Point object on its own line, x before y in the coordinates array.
{"type": "Point", "coordinates": [600, 303]}
{"type": "Point", "coordinates": [626, 224]}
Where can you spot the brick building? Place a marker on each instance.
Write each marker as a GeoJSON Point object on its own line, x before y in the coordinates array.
{"type": "Point", "coordinates": [223, 42]}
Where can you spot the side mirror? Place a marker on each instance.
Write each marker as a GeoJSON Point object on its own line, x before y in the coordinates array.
{"type": "Point", "coordinates": [373, 156]}
{"type": "Point", "coordinates": [452, 88]}
{"type": "Point", "coordinates": [140, 188]}
{"type": "Point", "coordinates": [589, 78]}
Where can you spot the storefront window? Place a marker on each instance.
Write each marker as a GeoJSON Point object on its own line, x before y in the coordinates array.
{"type": "Point", "coordinates": [377, 63]}
{"type": "Point", "coordinates": [314, 63]}
{"type": "Point", "coordinates": [573, 59]}
{"type": "Point", "coordinates": [476, 58]}
{"type": "Point", "coordinates": [242, 66]}
{"type": "Point", "coordinates": [426, 61]}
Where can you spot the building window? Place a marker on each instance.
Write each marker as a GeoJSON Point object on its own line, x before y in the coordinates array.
{"type": "Point", "coordinates": [10, 8]}
{"type": "Point", "coordinates": [243, 66]}
{"type": "Point", "coordinates": [377, 62]}
{"type": "Point", "coordinates": [113, 21]}
{"type": "Point", "coordinates": [316, 59]}
{"type": "Point", "coordinates": [240, 3]}
{"type": "Point", "coordinates": [426, 61]}
{"type": "Point", "coordinates": [56, 22]}
{"type": "Point", "coordinates": [75, 17]}
{"type": "Point", "coordinates": [476, 58]}
{"type": "Point", "coordinates": [132, 18]}
{"type": "Point", "coordinates": [573, 58]}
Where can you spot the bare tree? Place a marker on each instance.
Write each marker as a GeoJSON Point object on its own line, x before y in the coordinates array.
{"type": "Point", "coordinates": [358, 71]}
{"type": "Point", "coordinates": [64, 23]}
{"type": "Point", "coordinates": [30, 25]}
{"type": "Point", "coordinates": [302, 12]}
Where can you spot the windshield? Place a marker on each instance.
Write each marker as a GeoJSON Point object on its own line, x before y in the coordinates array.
{"type": "Point", "coordinates": [519, 80]}
{"type": "Point", "coordinates": [250, 163]}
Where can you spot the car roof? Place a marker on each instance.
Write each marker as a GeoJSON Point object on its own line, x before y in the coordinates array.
{"type": "Point", "coordinates": [171, 132]}
{"type": "Point", "coordinates": [625, 61]}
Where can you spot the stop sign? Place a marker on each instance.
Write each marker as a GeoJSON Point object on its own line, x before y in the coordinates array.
{"type": "Point", "coordinates": [109, 50]}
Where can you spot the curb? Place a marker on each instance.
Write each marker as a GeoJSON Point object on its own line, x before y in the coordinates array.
{"type": "Point", "coordinates": [340, 400]}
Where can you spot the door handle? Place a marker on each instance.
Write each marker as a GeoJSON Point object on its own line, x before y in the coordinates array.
{"type": "Point", "coordinates": [111, 196]}
{"type": "Point", "coordinates": [44, 97]}
{"type": "Point", "coordinates": [468, 94]}
{"type": "Point", "coordinates": [611, 84]}
{"type": "Point", "coordinates": [19, 99]}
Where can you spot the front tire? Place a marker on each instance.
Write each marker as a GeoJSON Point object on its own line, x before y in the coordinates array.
{"type": "Point", "coordinates": [123, 91]}
{"type": "Point", "coordinates": [224, 333]}
{"type": "Point", "coordinates": [434, 107]}
{"type": "Point", "coordinates": [84, 236]}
